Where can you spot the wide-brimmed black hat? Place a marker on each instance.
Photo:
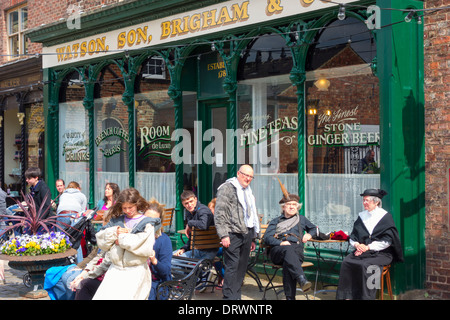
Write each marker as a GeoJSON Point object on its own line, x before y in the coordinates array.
{"type": "Point", "coordinates": [374, 193]}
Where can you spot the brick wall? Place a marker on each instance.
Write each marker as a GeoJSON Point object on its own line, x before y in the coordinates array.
{"type": "Point", "coordinates": [43, 12]}
{"type": "Point", "coordinates": [437, 146]}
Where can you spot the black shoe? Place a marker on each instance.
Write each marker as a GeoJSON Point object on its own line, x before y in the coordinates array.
{"type": "Point", "coordinates": [305, 285]}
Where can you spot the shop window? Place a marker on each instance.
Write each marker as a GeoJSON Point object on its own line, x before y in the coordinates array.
{"type": "Point", "coordinates": [17, 23]}
{"type": "Point", "coordinates": [73, 133]}
{"type": "Point", "coordinates": [155, 123]}
{"type": "Point", "coordinates": [342, 125]}
{"type": "Point", "coordinates": [267, 120]}
{"type": "Point", "coordinates": [111, 136]}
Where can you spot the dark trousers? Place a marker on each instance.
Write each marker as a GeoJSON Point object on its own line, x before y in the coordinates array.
{"type": "Point", "coordinates": [235, 259]}
{"type": "Point", "coordinates": [291, 258]}
{"type": "Point", "coordinates": [88, 289]}
{"type": "Point", "coordinates": [355, 272]}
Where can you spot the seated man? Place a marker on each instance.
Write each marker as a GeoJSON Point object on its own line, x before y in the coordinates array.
{"type": "Point", "coordinates": [377, 244]}
{"type": "Point", "coordinates": [285, 236]}
{"type": "Point", "coordinates": [199, 216]}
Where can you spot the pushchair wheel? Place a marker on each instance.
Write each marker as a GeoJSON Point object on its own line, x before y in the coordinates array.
{"type": "Point", "coordinates": [27, 280]}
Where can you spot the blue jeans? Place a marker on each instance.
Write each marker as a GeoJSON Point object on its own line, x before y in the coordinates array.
{"type": "Point", "coordinates": [199, 254]}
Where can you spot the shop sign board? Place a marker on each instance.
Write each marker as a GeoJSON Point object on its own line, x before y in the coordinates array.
{"type": "Point", "coordinates": [203, 21]}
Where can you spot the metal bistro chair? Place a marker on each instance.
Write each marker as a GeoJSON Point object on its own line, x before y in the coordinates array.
{"type": "Point", "coordinates": [268, 264]}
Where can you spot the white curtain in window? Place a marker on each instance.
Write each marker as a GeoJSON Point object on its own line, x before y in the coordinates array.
{"type": "Point", "coordinates": [333, 201]}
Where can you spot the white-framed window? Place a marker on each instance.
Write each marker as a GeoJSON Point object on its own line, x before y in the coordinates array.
{"type": "Point", "coordinates": [17, 23]}
{"type": "Point", "coordinates": [154, 69]}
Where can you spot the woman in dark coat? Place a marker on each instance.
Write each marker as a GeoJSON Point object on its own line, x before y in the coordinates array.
{"type": "Point", "coordinates": [377, 244]}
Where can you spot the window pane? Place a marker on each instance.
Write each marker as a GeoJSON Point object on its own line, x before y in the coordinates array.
{"type": "Point", "coordinates": [74, 134]}
{"type": "Point", "coordinates": [14, 45]}
{"type": "Point", "coordinates": [111, 131]}
{"type": "Point", "coordinates": [342, 125]}
{"type": "Point", "coordinates": [24, 12]}
{"type": "Point", "coordinates": [13, 22]}
{"type": "Point", "coordinates": [155, 123]}
{"type": "Point", "coordinates": [267, 121]}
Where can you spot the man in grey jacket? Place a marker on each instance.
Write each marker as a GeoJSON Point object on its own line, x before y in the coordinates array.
{"type": "Point", "coordinates": [237, 225]}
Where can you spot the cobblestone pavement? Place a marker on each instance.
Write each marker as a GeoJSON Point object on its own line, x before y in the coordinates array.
{"type": "Point", "coordinates": [14, 289]}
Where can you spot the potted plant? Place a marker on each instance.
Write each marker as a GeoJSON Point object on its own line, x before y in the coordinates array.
{"type": "Point", "coordinates": [42, 244]}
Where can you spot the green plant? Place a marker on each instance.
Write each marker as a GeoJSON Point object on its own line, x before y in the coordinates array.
{"type": "Point", "coordinates": [33, 219]}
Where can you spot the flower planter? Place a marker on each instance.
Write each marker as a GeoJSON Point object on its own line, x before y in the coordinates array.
{"type": "Point", "coordinates": [36, 266]}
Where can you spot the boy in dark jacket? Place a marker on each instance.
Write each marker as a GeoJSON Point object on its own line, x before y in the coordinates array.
{"type": "Point", "coordinates": [38, 190]}
{"type": "Point", "coordinates": [199, 216]}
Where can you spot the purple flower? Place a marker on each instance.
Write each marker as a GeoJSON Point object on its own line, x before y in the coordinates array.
{"type": "Point", "coordinates": [20, 250]}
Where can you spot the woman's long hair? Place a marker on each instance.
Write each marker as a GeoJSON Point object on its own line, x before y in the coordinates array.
{"type": "Point", "coordinates": [116, 191]}
{"type": "Point", "coordinates": [132, 196]}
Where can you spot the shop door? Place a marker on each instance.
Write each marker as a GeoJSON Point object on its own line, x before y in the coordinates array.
{"type": "Point", "coordinates": [213, 168]}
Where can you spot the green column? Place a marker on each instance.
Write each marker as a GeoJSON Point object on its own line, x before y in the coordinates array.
{"type": "Point", "coordinates": [51, 129]}
{"type": "Point", "coordinates": [128, 99]}
{"type": "Point", "coordinates": [298, 78]}
{"type": "Point", "coordinates": [88, 104]}
{"type": "Point", "coordinates": [177, 97]}
{"type": "Point", "coordinates": [400, 71]}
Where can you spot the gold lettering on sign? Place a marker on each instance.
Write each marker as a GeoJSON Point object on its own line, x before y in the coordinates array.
{"type": "Point", "coordinates": [93, 46]}
{"type": "Point", "coordinates": [133, 37]}
{"type": "Point", "coordinates": [205, 20]}
{"type": "Point", "coordinates": [273, 7]}
{"type": "Point", "coordinates": [217, 66]}
{"type": "Point", "coordinates": [306, 3]}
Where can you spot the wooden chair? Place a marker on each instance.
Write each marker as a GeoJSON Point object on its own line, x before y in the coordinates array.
{"type": "Point", "coordinates": [268, 264]}
{"type": "Point", "coordinates": [169, 213]}
{"type": "Point", "coordinates": [386, 274]}
{"type": "Point", "coordinates": [204, 240]}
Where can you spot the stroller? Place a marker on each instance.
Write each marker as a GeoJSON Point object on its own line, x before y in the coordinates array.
{"type": "Point", "coordinates": [82, 233]}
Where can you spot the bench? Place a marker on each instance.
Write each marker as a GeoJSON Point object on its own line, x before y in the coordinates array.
{"type": "Point", "coordinates": [185, 273]}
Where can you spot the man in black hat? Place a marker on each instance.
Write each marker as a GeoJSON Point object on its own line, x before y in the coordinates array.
{"type": "Point", "coordinates": [377, 244]}
{"type": "Point", "coordinates": [286, 235]}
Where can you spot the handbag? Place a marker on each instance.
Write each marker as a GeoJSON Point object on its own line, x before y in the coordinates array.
{"type": "Point", "coordinates": [99, 215]}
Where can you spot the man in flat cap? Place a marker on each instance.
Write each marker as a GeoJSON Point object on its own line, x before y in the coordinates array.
{"type": "Point", "coordinates": [286, 236]}
{"type": "Point", "coordinates": [377, 244]}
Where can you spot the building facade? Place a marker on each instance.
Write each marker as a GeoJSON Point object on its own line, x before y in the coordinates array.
{"type": "Point", "coordinates": [173, 96]}
{"type": "Point", "coordinates": [21, 101]}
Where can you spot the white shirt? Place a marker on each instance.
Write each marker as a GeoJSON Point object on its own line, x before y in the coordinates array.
{"type": "Point", "coordinates": [250, 214]}
{"type": "Point", "coordinates": [370, 220]}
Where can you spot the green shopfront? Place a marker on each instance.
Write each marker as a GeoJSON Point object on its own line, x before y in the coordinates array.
{"type": "Point", "coordinates": [174, 97]}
